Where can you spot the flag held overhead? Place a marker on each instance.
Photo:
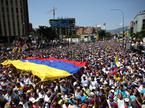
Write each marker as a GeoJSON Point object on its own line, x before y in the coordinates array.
{"type": "Point", "coordinates": [47, 68]}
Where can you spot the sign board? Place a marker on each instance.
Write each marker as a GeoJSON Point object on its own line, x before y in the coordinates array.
{"type": "Point", "coordinates": [64, 23]}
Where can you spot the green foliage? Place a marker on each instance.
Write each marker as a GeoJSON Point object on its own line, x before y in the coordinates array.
{"type": "Point", "coordinates": [47, 33]}
{"type": "Point", "coordinates": [138, 35]}
{"type": "Point", "coordinates": [103, 34]}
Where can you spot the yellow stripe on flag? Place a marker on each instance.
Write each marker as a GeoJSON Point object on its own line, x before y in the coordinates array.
{"type": "Point", "coordinates": [42, 71]}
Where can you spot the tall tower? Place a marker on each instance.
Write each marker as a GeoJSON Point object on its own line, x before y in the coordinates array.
{"type": "Point", "coordinates": [14, 19]}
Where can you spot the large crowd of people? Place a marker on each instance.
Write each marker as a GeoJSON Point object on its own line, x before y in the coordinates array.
{"type": "Point", "coordinates": [100, 84]}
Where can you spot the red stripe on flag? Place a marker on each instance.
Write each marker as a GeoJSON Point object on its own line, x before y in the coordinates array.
{"type": "Point", "coordinates": [76, 63]}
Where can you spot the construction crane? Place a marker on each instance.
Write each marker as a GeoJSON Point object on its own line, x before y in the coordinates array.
{"type": "Point", "coordinates": [53, 12]}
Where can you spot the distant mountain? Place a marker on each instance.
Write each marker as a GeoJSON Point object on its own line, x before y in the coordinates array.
{"type": "Point", "coordinates": [118, 30]}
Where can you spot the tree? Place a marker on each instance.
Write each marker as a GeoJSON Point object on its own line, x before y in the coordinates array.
{"type": "Point", "coordinates": [108, 35]}
{"type": "Point", "coordinates": [139, 35]}
{"type": "Point", "coordinates": [46, 33]}
{"type": "Point", "coordinates": [103, 34]}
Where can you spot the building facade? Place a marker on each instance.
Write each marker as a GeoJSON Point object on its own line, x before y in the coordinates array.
{"type": "Point", "coordinates": [87, 33]}
{"type": "Point", "coordinates": [14, 19]}
{"type": "Point", "coordinates": [139, 22]}
{"type": "Point", "coordinates": [85, 30]}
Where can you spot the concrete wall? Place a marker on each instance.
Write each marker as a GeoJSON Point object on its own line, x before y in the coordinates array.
{"type": "Point", "coordinates": [138, 22]}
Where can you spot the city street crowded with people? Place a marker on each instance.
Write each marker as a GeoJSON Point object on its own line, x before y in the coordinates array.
{"type": "Point", "coordinates": [112, 78]}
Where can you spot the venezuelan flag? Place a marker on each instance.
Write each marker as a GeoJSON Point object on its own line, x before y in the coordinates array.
{"type": "Point", "coordinates": [117, 61]}
{"type": "Point", "coordinates": [47, 68]}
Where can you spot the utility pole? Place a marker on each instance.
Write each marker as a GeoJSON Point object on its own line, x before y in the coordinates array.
{"type": "Point", "coordinates": [57, 30]}
{"type": "Point", "coordinates": [105, 31]}
{"type": "Point", "coordinates": [53, 12]}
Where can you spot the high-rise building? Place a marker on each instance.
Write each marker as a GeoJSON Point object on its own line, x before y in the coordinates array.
{"type": "Point", "coordinates": [14, 19]}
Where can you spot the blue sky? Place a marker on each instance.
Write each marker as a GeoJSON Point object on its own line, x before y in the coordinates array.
{"type": "Point", "coordinates": [86, 12]}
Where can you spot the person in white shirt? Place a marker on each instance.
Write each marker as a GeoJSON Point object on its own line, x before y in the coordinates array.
{"type": "Point", "coordinates": [120, 101]}
{"type": "Point", "coordinates": [84, 82]}
{"type": "Point", "coordinates": [93, 84]}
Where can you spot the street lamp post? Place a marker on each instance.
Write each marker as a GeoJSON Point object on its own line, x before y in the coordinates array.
{"type": "Point", "coordinates": [122, 13]}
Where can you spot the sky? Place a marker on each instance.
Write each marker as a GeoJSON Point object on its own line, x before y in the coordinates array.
{"type": "Point", "coordinates": [86, 12]}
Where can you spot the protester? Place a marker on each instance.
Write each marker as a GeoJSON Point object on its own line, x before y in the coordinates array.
{"type": "Point", "coordinates": [101, 84]}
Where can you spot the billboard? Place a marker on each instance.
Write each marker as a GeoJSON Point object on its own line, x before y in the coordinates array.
{"type": "Point", "coordinates": [63, 23]}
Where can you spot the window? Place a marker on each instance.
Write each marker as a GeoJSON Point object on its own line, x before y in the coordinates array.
{"type": "Point", "coordinates": [16, 3]}
{"type": "Point", "coordinates": [18, 25]}
{"type": "Point", "coordinates": [11, 2]}
{"type": "Point", "coordinates": [7, 10]}
{"type": "Point", "coordinates": [12, 9]}
{"type": "Point", "coordinates": [0, 29]}
{"type": "Point", "coordinates": [86, 37]}
{"type": "Point", "coordinates": [21, 4]}
{"type": "Point", "coordinates": [1, 1]}
{"type": "Point", "coordinates": [16, 10]}
{"type": "Point", "coordinates": [14, 30]}
{"type": "Point", "coordinates": [13, 25]}
{"type": "Point", "coordinates": [4, 25]}
{"type": "Point", "coordinates": [21, 10]}
{"type": "Point", "coordinates": [136, 22]}
{"type": "Point", "coordinates": [143, 24]}
{"type": "Point", "coordinates": [2, 9]}
{"type": "Point", "coordinates": [9, 27]}
{"type": "Point", "coordinates": [7, 2]}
